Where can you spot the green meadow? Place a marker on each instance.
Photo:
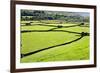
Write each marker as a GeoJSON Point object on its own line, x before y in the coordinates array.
{"type": "Point", "coordinates": [37, 40]}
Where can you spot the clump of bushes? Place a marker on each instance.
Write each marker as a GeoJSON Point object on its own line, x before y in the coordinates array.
{"type": "Point", "coordinates": [82, 23]}
{"type": "Point", "coordinates": [28, 24]}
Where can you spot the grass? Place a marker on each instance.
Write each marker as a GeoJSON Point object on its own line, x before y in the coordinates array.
{"type": "Point", "coordinates": [32, 41]}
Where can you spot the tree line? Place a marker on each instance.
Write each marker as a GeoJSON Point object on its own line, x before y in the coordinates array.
{"type": "Point", "coordinates": [52, 15]}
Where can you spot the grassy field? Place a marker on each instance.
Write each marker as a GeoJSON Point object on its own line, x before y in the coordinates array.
{"type": "Point", "coordinates": [33, 41]}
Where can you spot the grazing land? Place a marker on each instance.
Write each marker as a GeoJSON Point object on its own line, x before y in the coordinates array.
{"type": "Point", "coordinates": [37, 40]}
{"type": "Point", "coordinates": [54, 36]}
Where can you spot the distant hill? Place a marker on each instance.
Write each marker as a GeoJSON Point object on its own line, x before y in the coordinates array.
{"type": "Point", "coordinates": [55, 15]}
